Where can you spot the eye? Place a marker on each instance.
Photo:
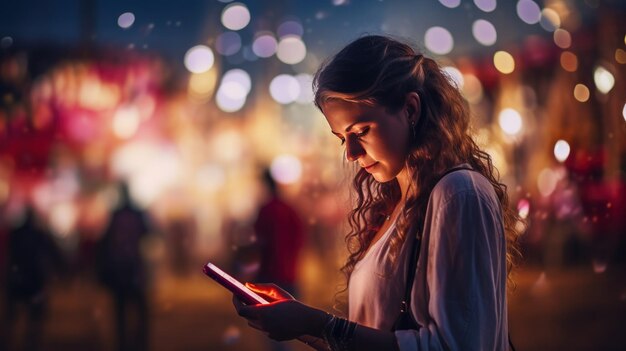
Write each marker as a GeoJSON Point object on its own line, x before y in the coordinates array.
{"type": "Point", "coordinates": [363, 132]}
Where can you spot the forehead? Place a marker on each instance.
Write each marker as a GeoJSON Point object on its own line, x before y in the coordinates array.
{"type": "Point", "coordinates": [341, 114]}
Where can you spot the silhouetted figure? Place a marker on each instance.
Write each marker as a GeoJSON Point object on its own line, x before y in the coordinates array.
{"type": "Point", "coordinates": [122, 270]}
{"type": "Point", "coordinates": [31, 254]}
{"type": "Point", "coordinates": [280, 236]}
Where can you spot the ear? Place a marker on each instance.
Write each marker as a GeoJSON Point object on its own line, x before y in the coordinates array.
{"type": "Point", "coordinates": [413, 106]}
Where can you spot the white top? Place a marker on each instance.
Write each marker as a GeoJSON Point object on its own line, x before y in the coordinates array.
{"type": "Point", "coordinates": [459, 292]}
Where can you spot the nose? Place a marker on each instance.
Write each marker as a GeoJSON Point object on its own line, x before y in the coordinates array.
{"type": "Point", "coordinates": [354, 150]}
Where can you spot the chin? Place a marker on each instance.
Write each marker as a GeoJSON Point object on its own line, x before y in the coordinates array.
{"type": "Point", "coordinates": [382, 178]}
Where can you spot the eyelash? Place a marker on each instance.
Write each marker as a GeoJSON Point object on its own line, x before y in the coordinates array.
{"type": "Point", "coordinates": [360, 134]}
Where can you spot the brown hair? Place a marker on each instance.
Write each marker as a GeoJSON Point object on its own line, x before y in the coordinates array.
{"type": "Point", "coordinates": [383, 71]}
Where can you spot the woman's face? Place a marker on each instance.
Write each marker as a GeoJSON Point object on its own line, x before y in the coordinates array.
{"type": "Point", "coordinates": [373, 137]}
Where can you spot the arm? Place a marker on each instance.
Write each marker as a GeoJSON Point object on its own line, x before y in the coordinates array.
{"type": "Point", "coordinates": [286, 319]}
{"type": "Point", "coordinates": [465, 271]}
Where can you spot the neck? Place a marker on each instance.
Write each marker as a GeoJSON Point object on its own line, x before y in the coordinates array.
{"type": "Point", "coordinates": [403, 180]}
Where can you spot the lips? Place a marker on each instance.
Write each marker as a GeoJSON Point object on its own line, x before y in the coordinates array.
{"type": "Point", "coordinates": [367, 168]}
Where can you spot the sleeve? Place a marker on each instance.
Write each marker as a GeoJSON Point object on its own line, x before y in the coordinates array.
{"type": "Point", "coordinates": [466, 297]}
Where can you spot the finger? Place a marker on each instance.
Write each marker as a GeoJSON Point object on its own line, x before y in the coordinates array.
{"type": "Point", "coordinates": [237, 303]}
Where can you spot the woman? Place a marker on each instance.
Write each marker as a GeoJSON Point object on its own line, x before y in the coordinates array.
{"type": "Point", "coordinates": [405, 124]}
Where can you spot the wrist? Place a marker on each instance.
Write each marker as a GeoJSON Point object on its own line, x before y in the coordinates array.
{"type": "Point", "coordinates": [319, 321]}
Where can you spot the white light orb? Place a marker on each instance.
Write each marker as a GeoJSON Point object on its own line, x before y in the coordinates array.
{"type": "Point", "coordinates": [284, 89]}
{"type": "Point", "coordinates": [484, 32]}
{"type": "Point", "coordinates": [235, 16]}
{"type": "Point", "coordinates": [126, 20]}
{"type": "Point", "coordinates": [439, 40]}
{"type": "Point", "coordinates": [603, 79]}
{"type": "Point", "coordinates": [291, 49]}
{"type": "Point", "coordinates": [286, 169]}
{"type": "Point", "coordinates": [230, 97]}
{"type": "Point", "coordinates": [510, 121]}
{"type": "Point", "coordinates": [239, 76]}
{"type": "Point", "coordinates": [561, 150]}
{"type": "Point", "coordinates": [306, 88]}
{"type": "Point", "coordinates": [199, 59]}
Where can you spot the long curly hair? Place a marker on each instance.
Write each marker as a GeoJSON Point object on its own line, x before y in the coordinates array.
{"type": "Point", "coordinates": [377, 70]}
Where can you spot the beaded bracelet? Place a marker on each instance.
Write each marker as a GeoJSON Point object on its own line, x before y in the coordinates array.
{"type": "Point", "coordinates": [338, 333]}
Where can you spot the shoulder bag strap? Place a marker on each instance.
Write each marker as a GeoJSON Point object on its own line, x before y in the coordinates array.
{"type": "Point", "coordinates": [415, 250]}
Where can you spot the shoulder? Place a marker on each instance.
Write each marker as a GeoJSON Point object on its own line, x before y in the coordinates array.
{"type": "Point", "coordinates": [462, 184]}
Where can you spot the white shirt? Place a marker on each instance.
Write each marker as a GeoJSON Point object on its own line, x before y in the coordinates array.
{"type": "Point", "coordinates": [459, 292]}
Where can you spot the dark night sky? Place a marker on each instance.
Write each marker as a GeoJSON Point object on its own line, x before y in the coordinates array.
{"type": "Point", "coordinates": [179, 25]}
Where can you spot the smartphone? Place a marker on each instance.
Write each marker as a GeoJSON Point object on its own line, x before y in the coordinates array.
{"type": "Point", "coordinates": [246, 295]}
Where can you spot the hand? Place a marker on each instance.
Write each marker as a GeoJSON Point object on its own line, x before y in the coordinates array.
{"type": "Point", "coordinates": [284, 318]}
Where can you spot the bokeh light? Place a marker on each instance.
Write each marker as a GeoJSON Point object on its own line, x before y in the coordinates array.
{"type": "Point", "coordinates": [202, 85]}
{"type": "Point", "coordinates": [210, 177]}
{"type": "Point", "coordinates": [286, 169]}
{"type": "Point", "coordinates": [284, 89]}
{"type": "Point", "coordinates": [528, 11]}
{"type": "Point", "coordinates": [504, 62]}
{"type": "Point", "coordinates": [523, 208]}
{"type": "Point", "coordinates": [562, 38]}
{"type": "Point", "coordinates": [569, 61]}
{"type": "Point", "coordinates": [199, 59]}
{"type": "Point", "coordinates": [226, 98]}
{"type": "Point", "coordinates": [472, 88]}
{"type": "Point", "coordinates": [485, 5]}
{"type": "Point", "coordinates": [439, 40]}
{"type": "Point", "coordinates": [450, 3]}
{"type": "Point", "coordinates": [624, 112]}
{"type": "Point", "coordinates": [291, 49]}
{"type": "Point", "coordinates": [306, 88]}
{"type": "Point", "coordinates": [455, 75]}
{"type": "Point", "coordinates": [603, 79]}
{"type": "Point", "coordinates": [228, 43]}
{"type": "Point", "coordinates": [126, 20]}
{"type": "Point", "coordinates": [561, 150]}
{"type": "Point", "coordinates": [235, 16]}
{"type": "Point", "coordinates": [581, 92]}
{"type": "Point", "coordinates": [620, 56]}
{"type": "Point", "coordinates": [126, 121]}
{"type": "Point", "coordinates": [6, 42]}
{"type": "Point", "coordinates": [484, 32]}
{"type": "Point", "coordinates": [239, 76]}
{"type": "Point", "coordinates": [546, 181]}
{"type": "Point", "coordinates": [550, 20]}
{"type": "Point", "coordinates": [264, 45]}
{"type": "Point", "coordinates": [290, 27]}
{"type": "Point", "coordinates": [510, 121]}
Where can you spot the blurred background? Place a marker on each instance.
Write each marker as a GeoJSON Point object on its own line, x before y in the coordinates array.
{"type": "Point", "coordinates": [137, 140]}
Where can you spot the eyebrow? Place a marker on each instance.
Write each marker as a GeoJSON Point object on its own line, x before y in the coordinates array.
{"type": "Point", "coordinates": [348, 128]}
